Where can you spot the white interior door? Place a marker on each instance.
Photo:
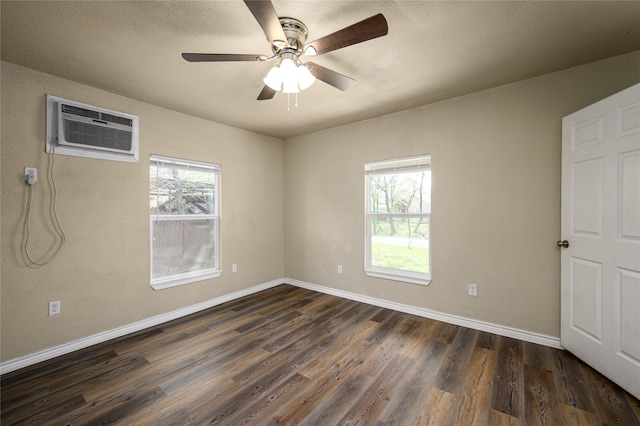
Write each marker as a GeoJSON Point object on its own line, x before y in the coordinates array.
{"type": "Point", "coordinates": [600, 278]}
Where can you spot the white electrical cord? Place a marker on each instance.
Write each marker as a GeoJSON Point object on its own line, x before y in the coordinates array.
{"type": "Point", "coordinates": [53, 214]}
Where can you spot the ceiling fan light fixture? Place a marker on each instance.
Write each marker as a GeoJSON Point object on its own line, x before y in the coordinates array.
{"type": "Point", "coordinates": [289, 77]}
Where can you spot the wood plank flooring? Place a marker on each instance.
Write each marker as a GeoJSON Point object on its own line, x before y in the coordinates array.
{"type": "Point", "coordinates": [290, 356]}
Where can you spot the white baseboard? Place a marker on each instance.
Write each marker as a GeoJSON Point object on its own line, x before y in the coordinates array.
{"type": "Point", "coordinates": [85, 342]}
{"type": "Point", "coordinates": [501, 330]}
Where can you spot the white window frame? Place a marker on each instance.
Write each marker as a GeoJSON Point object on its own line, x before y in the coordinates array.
{"type": "Point", "coordinates": [417, 163]}
{"type": "Point", "coordinates": [192, 276]}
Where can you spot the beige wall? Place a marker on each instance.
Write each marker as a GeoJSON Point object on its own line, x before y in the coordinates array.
{"type": "Point", "coordinates": [496, 206]}
{"type": "Point", "coordinates": [102, 273]}
{"type": "Point", "coordinates": [495, 201]}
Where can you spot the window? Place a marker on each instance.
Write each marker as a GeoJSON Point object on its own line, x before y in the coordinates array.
{"type": "Point", "coordinates": [185, 221]}
{"type": "Point", "coordinates": [398, 208]}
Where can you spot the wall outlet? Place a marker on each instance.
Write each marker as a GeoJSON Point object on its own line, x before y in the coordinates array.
{"type": "Point", "coordinates": [473, 289]}
{"type": "Point", "coordinates": [30, 175]}
{"type": "Point", "coordinates": [234, 267]}
{"type": "Point", "coordinates": [54, 308]}
{"type": "Point", "coordinates": [339, 269]}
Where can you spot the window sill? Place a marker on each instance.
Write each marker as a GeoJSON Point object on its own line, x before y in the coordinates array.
{"type": "Point", "coordinates": [399, 276]}
{"type": "Point", "coordinates": [182, 279]}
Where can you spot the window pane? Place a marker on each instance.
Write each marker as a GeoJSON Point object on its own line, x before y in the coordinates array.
{"type": "Point", "coordinates": [181, 191]}
{"type": "Point", "coordinates": [408, 192]}
{"type": "Point", "coordinates": [181, 246]}
{"type": "Point", "coordinates": [400, 243]}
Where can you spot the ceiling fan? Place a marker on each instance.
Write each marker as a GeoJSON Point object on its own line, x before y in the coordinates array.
{"type": "Point", "coordinates": [288, 37]}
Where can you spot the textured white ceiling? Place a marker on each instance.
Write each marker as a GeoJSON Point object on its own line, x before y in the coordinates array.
{"type": "Point", "coordinates": [434, 51]}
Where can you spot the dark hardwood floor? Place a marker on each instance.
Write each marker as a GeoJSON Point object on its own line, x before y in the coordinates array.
{"type": "Point", "coordinates": [293, 356]}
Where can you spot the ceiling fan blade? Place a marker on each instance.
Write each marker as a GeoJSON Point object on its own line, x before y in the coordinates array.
{"type": "Point", "coordinates": [370, 28]}
{"type": "Point", "coordinates": [330, 77]}
{"type": "Point", "coordinates": [218, 57]}
{"type": "Point", "coordinates": [266, 15]}
{"type": "Point", "coordinates": [266, 94]}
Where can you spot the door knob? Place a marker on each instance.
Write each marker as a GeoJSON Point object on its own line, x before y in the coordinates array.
{"type": "Point", "coordinates": [563, 243]}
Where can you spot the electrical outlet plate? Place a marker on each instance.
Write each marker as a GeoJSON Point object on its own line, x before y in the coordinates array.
{"type": "Point", "coordinates": [54, 308]}
{"type": "Point", "coordinates": [30, 175]}
{"type": "Point", "coordinates": [339, 269]}
{"type": "Point", "coordinates": [473, 289]}
{"type": "Point", "coordinates": [234, 268]}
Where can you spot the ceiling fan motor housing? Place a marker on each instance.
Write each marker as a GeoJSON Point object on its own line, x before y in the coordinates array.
{"type": "Point", "coordinates": [296, 33]}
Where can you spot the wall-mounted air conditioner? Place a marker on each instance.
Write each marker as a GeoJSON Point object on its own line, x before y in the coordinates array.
{"type": "Point", "coordinates": [83, 130]}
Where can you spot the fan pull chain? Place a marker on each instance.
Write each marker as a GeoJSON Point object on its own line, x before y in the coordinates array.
{"type": "Point", "coordinates": [289, 103]}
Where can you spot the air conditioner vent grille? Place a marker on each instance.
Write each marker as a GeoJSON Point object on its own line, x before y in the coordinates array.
{"type": "Point", "coordinates": [87, 134]}
{"type": "Point", "coordinates": [69, 109]}
{"type": "Point", "coordinates": [116, 119]}
{"type": "Point", "coordinates": [80, 111]}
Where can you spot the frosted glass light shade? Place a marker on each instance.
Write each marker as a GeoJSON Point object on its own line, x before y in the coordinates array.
{"type": "Point", "coordinates": [304, 77]}
{"type": "Point", "coordinates": [287, 66]}
{"type": "Point", "coordinates": [290, 86]}
{"type": "Point", "coordinates": [274, 79]}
